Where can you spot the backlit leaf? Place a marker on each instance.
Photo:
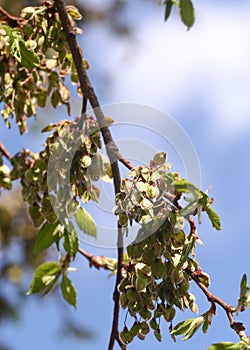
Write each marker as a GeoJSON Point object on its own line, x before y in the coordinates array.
{"type": "Point", "coordinates": [71, 243]}
{"type": "Point", "coordinates": [213, 216]}
{"type": "Point", "coordinates": [45, 276]}
{"type": "Point", "coordinates": [68, 291]}
{"type": "Point", "coordinates": [47, 235]}
{"type": "Point", "coordinates": [85, 222]}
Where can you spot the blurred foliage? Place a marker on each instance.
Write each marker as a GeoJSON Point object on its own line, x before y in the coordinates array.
{"type": "Point", "coordinates": [111, 14]}
{"type": "Point", "coordinates": [17, 260]}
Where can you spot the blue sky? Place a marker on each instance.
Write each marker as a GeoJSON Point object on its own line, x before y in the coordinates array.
{"type": "Point", "coordinates": [201, 78]}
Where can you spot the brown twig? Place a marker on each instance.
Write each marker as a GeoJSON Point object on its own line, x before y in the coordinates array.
{"type": "Point", "coordinates": [112, 150]}
{"type": "Point", "coordinates": [4, 152]}
{"type": "Point", "coordinates": [125, 162]}
{"type": "Point", "coordinates": [213, 299]}
{"type": "Point", "coordinates": [99, 262]}
{"type": "Point", "coordinates": [13, 21]}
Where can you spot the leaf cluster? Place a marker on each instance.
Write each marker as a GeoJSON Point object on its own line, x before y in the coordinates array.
{"type": "Point", "coordinates": [157, 279]}
{"type": "Point", "coordinates": [35, 60]}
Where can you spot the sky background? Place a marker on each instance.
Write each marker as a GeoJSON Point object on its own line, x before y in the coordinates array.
{"type": "Point", "coordinates": [201, 78]}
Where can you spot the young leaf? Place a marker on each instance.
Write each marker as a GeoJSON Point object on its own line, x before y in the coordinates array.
{"type": "Point", "coordinates": [45, 277]}
{"type": "Point", "coordinates": [227, 346]}
{"type": "Point", "coordinates": [68, 291]}
{"type": "Point", "coordinates": [160, 158]}
{"type": "Point", "coordinates": [47, 235]}
{"type": "Point", "coordinates": [85, 222]}
{"type": "Point", "coordinates": [184, 186]}
{"type": "Point", "coordinates": [73, 12]}
{"type": "Point", "coordinates": [187, 12]}
{"type": "Point", "coordinates": [244, 298]}
{"type": "Point", "coordinates": [213, 216]}
{"type": "Point", "coordinates": [71, 243]}
{"type": "Point", "coordinates": [188, 327]}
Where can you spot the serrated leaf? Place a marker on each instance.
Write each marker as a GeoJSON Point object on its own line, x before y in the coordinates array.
{"type": "Point", "coordinates": [169, 5]}
{"type": "Point", "coordinates": [226, 346]}
{"type": "Point", "coordinates": [47, 235]}
{"type": "Point", "coordinates": [68, 291]}
{"type": "Point", "coordinates": [45, 277]}
{"type": "Point", "coordinates": [85, 222]}
{"type": "Point", "coordinates": [213, 216]}
{"type": "Point", "coordinates": [71, 242]}
{"type": "Point", "coordinates": [187, 12]}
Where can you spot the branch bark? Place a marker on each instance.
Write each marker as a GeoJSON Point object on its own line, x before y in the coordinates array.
{"type": "Point", "coordinates": [4, 152]}
{"type": "Point", "coordinates": [213, 299]}
{"type": "Point", "coordinates": [112, 150]}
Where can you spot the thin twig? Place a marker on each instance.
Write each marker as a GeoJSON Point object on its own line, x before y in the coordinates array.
{"type": "Point", "coordinates": [112, 150]}
{"type": "Point", "coordinates": [125, 162]}
{"type": "Point", "coordinates": [12, 19]}
{"type": "Point", "coordinates": [99, 262]}
{"type": "Point", "coordinates": [236, 326]}
{"type": "Point", "coordinates": [4, 152]}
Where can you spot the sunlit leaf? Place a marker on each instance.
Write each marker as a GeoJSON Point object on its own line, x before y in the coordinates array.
{"type": "Point", "coordinates": [45, 276]}
{"type": "Point", "coordinates": [213, 216]}
{"type": "Point", "coordinates": [188, 327]}
{"type": "Point", "coordinates": [68, 291]}
{"type": "Point", "coordinates": [227, 346]}
{"type": "Point", "coordinates": [85, 222]}
{"type": "Point", "coordinates": [47, 235]}
{"type": "Point", "coordinates": [71, 243]}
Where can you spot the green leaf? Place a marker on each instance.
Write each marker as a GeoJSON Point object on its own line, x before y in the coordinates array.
{"type": "Point", "coordinates": [49, 127]}
{"type": "Point", "coordinates": [187, 12]}
{"type": "Point", "coordinates": [47, 235]}
{"type": "Point", "coordinates": [169, 5]}
{"type": "Point", "coordinates": [184, 186]}
{"type": "Point", "coordinates": [189, 209]}
{"type": "Point", "coordinates": [186, 252]}
{"type": "Point", "coordinates": [227, 346]}
{"type": "Point", "coordinates": [68, 291]}
{"type": "Point", "coordinates": [27, 58]}
{"type": "Point", "coordinates": [188, 327]}
{"type": "Point", "coordinates": [71, 243]}
{"type": "Point", "coordinates": [73, 12]}
{"type": "Point", "coordinates": [160, 158]}
{"type": "Point", "coordinates": [85, 222]}
{"type": "Point", "coordinates": [45, 277]}
{"type": "Point", "coordinates": [213, 216]}
{"type": "Point", "coordinates": [244, 298]}
{"type": "Point", "coordinates": [35, 214]}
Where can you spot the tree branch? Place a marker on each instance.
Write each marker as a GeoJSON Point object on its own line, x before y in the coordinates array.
{"type": "Point", "coordinates": [236, 326]}
{"type": "Point", "coordinates": [13, 21]}
{"type": "Point", "coordinates": [4, 152]}
{"type": "Point", "coordinates": [112, 150]}
{"type": "Point", "coordinates": [99, 262]}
